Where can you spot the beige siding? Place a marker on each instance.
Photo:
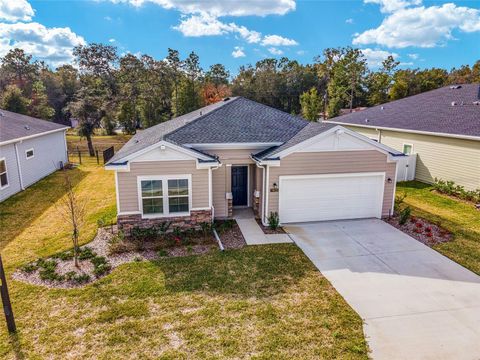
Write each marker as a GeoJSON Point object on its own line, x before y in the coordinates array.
{"type": "Point", "coordinates": [234, 156]}
{"type": "Point", "coordinates": [370, 133]}
{"type": "Point", "coordinates": [440, 157]}
{"type": "Point", "coordinates": [437, 156]}
{"type": "Point", "coordinates": [127, 181]}
{"type": "Point", "coordinates": [334, 163]}
{"type": "Point", "coordinates": [219, 185]}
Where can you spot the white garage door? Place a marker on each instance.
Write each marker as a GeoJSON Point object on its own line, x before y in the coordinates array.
{"type": "Point", "coordinates": [330, 197]}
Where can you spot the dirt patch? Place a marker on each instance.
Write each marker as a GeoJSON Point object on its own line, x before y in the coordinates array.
{"type": "Point", "coordinates": [267, 230]}
{"type": "Point", "coordinates": [230, 234]}
{"type": "Point", "coordinates": [66, 275]}
{"type": "Point", "coordinates": [422, 230]}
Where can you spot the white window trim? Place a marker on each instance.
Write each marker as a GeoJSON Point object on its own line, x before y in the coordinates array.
{"type": "Point", "coordinates": [164, 179]}
{"type": "Point", "coordinates": [408, 144]}
{"type": "Point", "coordinates": [6, 173]}
{"type": "Point", "coordinates": [29, 157]}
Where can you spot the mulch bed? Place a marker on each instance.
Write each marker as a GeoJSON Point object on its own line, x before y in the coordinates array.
{"type": "Point", "coordinates": [422, 230]}
{"type": "Point", "coordinates": [129, 252]}
{"type": "Point", "coordinates": [267, 230]}
{"type": "Point", "coordinates": [231, 237]}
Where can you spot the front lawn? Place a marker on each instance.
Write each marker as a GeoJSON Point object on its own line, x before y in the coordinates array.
{"type": "Point", "coordinates": [264, 302]}
{"type": "Point", "coordinates": [458, 217]}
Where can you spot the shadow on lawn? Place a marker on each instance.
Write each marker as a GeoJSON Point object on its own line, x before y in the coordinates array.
{"type": "Point", "coordinates": [258, 271]}
{"type": "Point", "coordinates": [20, 210]}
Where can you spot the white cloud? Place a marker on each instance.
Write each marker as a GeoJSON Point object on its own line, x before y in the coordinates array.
{"type": "Point", "coordinates": [276, 40]}
{"type": "Point", "coordinates": [275, 51]}
{"type": "Point", "coordinates": [238, 52]}
{"type": "Point", "coordinates": [375, 57]}
{"type": "Point", "coordinates": [413, 56]}
{"type": "Point", "coordinates": [53, 45]}
{"type": "Point", "coordinates": [389, 6]}
{"type": "Point", "coordinates": [208, 25]}
{"type": "Point", "coordinates": [222, 7]}
{"type": "Point", "coordinates": [422, 26]}
{"type": "Point", "coordinates": [112, 40]}
{"type": "Point", "coordinates": [16, 10]}
{"type": "Point", "coordinates": [349, 21]}
{"type": "Point", "coordinates": [301, 52]}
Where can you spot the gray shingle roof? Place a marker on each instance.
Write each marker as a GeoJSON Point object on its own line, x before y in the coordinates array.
{"type": "Point", "coordinates": [240, 121]}
{"type": "Point", "coordinates": [431, 111]}
{"type": "Point", "coordinates": [236, 120]}
{"type": "Point", "coordinates": [14, 126]}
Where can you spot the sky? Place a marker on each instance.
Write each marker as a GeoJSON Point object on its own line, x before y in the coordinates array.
{"type": "Point", "coordinates": [417, 33]}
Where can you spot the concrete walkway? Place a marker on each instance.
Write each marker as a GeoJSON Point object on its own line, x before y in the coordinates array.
{"type": "Point", "coordinates": [252, 232]}
{"type": "Point", "coordinates": [415, 303]}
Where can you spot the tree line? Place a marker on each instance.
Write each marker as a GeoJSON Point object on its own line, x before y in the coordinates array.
{"type": "Point", "coordinates": [103, 90]}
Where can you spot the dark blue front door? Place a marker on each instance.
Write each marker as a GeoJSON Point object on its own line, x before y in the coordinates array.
{"type": "Point", "coordinates": [240, 185]}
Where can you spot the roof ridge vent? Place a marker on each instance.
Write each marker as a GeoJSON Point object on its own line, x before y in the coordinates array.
{"type": "Point", "coordinates": [454, 87]}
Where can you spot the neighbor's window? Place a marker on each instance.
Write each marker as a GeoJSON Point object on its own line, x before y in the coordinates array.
{"type": "Point", "coordinates": [407, 149]}
{"type": "Point", "coordinates": [3, 173]}
{"type": "Point", "coordinates": [178, 195]}
{"type": "Point", "coordinates": [29, 153]}
{"type": "Point", "coordinates": [152, 196]}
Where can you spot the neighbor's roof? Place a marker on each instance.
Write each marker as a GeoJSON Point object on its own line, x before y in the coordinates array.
{"type": "Point", "coordinates": [451, 110]}
{"type": "Point", "coordinates": [233, 120]}
{"type": "Point", "coordinates": [16, 126]}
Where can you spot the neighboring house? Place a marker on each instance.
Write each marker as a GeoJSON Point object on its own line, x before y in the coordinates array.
{"type": "Point", "coordinates": [30, 149]}
{"type": "Point", "coordinates": [442, 127]}
{"type": "Point", "coordinates": [239, 153]}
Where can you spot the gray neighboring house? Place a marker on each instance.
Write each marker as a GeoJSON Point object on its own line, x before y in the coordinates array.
{"type": "Point", "coordinates": [30, 149]}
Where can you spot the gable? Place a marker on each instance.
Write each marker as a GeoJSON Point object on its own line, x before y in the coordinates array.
{"type": "Point", "coordinates": [337, 142]}
{"type": "Point", "coordinates": [162, 153]}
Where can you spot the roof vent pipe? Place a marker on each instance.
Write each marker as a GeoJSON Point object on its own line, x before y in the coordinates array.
{"type": "Point", "coordinates": [454, 103]}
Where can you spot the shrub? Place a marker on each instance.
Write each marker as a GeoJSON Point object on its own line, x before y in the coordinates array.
{"type": "Point", "coordinates": [118, 245]}
{"type": "Point", "coordinates": [419, 225]}
{"type": "Point", "coordinates": [81, 278]}
{"type": "Point", "coordinates": [66, 255]}
{"type": "Point", "coordinates": [86, 253]}
{"type": "Point", "coordinates": [100, 265]}
{"type": "Point", "coordinates": [47, 271]}
{"type": "Point", "coordinates": [162, 253]}
{"type": "Point", "coordinates": [273, 220]}
{"type": "Point", "coordinates": [404, 215]}
{"type": "Point", "coordinates": [449, 188]}
{"type": "Point", "coordinates": [399, 199]}
{"type": "Point", "coordinates": [206, 229]}
{"type": "Point", "coordinates": [29, 268]}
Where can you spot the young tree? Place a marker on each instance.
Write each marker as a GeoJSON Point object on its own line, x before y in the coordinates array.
{"type": "Point", "coordinates": [72, 208]}
{"type": "Point", "coordinates": [175, 65]}
{"type": "Point", "coordinates": [311, 104]}
{"type": "Point", "coordinates": [13, 100]}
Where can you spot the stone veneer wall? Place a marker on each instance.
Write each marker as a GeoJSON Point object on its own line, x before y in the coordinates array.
{"type": "Point", "coordinates": [127, 222]}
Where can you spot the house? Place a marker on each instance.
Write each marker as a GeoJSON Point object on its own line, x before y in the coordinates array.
{"type": "Point", "coordinates": [442, 127]}
{"type": "Point", "coordinates": [30, 149]}
{"type": "Point", "coordinates": [239, 153]}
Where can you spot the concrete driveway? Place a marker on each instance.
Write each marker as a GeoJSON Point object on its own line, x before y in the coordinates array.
{"type": "Point", "coordinates": [416, 303]}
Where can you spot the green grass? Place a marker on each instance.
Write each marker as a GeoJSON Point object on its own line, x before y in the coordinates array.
{"type": "Point", "coordinates": [458, 217]}
{"type": "Point", "coordinates": [265, 302]}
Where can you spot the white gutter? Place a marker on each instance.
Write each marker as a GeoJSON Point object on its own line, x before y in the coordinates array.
{"type": "Point", "coordinates": [32, 136]}
{"type": "Point", "coordinates": [19, 167]}
{"type": "Point", "coordinates": [431, 133]}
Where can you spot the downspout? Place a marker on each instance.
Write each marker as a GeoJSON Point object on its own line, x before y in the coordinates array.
{"type": "Point", "coordinates": [210, 189]}
{"type": "Point", "coordinates": [267, 169]}
{"type": "Point", "coordinates": [263, 190]}
{"type": "Point", "coordinates": [19, 166]}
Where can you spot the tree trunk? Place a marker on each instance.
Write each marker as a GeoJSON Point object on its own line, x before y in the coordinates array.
{"type": "Point", "coordinates": [91, 150]}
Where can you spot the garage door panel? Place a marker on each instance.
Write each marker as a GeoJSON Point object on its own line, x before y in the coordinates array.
{"type": "Point", "coordinates": [332, 197]}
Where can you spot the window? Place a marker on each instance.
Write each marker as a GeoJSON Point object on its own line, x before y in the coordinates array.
{"type": "Point", "coordinates": [407, 149]}
{"type": "Point", "coordinates": [178, 195]}
{"type": "Point", "coordinates": [152, 197]}
{"type": "Point", "coordinates": [29, 153]}
{"type": "Point", "coordinates": [164, 195]}
{"type": "Point", "coordinates": [3, 174]}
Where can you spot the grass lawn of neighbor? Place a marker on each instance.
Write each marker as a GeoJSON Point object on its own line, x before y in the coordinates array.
{"type": "Point", "coordinates": [459, 217]}
{"type": "Point", "coordinates": [262, 302]}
